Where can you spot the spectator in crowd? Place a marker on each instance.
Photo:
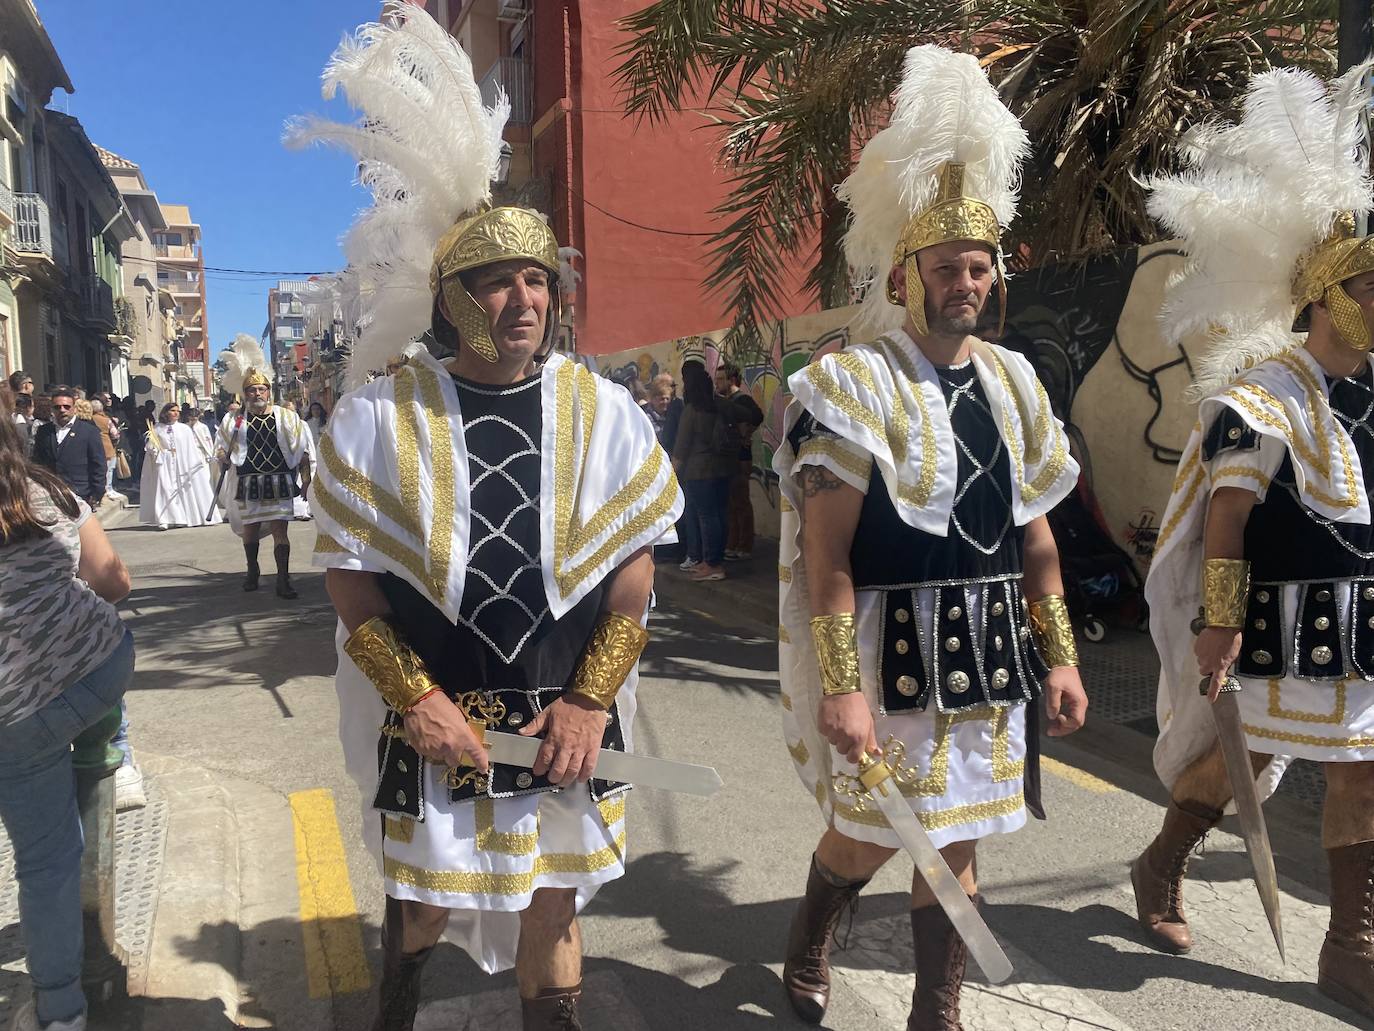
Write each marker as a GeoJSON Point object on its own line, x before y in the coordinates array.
{"type": "Point", "coordinates": [25, 420]}
{"type": "Point", "coordinates": [21, 382]}
{"type": "Point", "coordinates": [142, 423]}
{"type": "Point", "coordinates": [109, 439]}
{"type": "Point", "coordinates": [660, 400]}
{"type": "Point", "coordinates": [316, 420]}
{"type": "Point", "coordinates": [748, 417]}
{"type": "Point", "coordinates": [705, 456]}
{"type": "Point", "coordinates": [66, 660]}
{"type": "Point", "coordinates": [71, 448]}
{"type": "Point", "coordinates": [42, 410]}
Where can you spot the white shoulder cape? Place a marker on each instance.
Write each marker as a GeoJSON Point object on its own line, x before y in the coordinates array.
{"type": "Point", "coordinates": [391, 490]}
{"type": "Point", "coordinates": [886, 397]}
{"type": "Point", "coordinates": [1285, 398]}
{"type": "Point", "coordinates": [291, 436]}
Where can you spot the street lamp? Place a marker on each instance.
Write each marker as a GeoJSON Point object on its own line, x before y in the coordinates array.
{"type": "Point", "coordinates": [503, 164]}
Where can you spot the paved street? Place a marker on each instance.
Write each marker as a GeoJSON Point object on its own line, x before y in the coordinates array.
{"type": "Point", "coordinates": [268, 910]}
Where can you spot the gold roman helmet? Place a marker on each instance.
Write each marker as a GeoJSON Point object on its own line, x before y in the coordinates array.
{"type": "Point", "coordinates": [953, 216]}
{"type": "Point", "coordinates": [1321, 271]}
{"type": "Point", "coordinates": [255, 378]}
{"type": "Point", "coordinates": [497, 234]}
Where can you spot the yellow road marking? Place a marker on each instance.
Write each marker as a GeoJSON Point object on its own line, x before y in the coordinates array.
{"type": "Point", "coordinates": [703, 615]}
{"type": "Point", "coordinates": [331, 929]}
{"type": "Point", "coordinates": [1073, 775]}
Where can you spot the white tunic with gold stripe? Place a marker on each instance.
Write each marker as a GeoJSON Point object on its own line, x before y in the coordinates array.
{"type": "Point", "coordinates": [1285, 401]}
{"type": "Point", "coordinates": [389, 496]}
{"type": "Point", "coordinates": [885, 403]}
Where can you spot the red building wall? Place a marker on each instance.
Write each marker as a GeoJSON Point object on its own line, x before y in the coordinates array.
{"type": "Point", "coordinates": [605, 172]}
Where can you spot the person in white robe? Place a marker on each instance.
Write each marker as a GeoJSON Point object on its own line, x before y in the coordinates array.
{"type": "Point", "coordinates": [175, 489]}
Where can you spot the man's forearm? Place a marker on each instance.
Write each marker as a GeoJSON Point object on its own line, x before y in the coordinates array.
{"type": "Point", "coordinates": [1043, 577]}
{"type": "Point", "coordinates": [357, 596]}
{"type": "Point", "coordinates": [629, 586]}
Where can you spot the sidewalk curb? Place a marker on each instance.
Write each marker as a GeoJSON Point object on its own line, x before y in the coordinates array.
{"type": "Point", "coordinates": [112, 516]}
{"type": "Point", "coordinates": [196, 948]}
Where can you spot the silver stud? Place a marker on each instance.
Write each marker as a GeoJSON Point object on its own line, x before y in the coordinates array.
{"type": "Point", "coordinates": [902, 647]}
{"type": "Point", "coordinates": [400, 798]}
{"type": "Point", "coordinates": [1000, 679]}
{"type": "Point", "coordinates": [1321, 622]}
{"type": "Point", "coordinates": [951, 644]}
{"type": "Point", "coordinates": [957, 681]}
{"type": "Point", "coordinates": [1321, 655]}
{"type": "Point", "coordinates": [954, 613]}
{"type": "Point", "coordinates": [523, 780]}
{"type": "Point", "coordinates": [997, 642]}
{"type": "Point", "coordinates": [907, 686]}
{"type": "Point", "coordinates": [1261, 624]}
{"type": "Point", "coordinates": [1262, 657]}
{"type": "Point", "coordinates": [515, 719]}
{"type": "Point", "coordinates": [1370, 622]}
{"type": "Point", "coordinates": [1368, 593]}
{"type": "Point", "coordinates": [1233, 433]}
{"type": "Point", "coordinates": [1323, 595]}
{"type": "Point", "coordinates": [1025, 632]}
{"type": "Point", "coordinates": [1262, 597]}
{"type": "Point", "coordinates": [401, 765]}
{"type": "Point", "coordinates": [901, 615]}
{"type": "Point", "coordinates": [998, 608]}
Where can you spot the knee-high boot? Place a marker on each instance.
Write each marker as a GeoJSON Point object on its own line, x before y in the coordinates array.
{"type": "Point", "coordinates": [1345, 970]}
{"type": "Point", "coordinates": [250, 552]}
{"type": "Point", "coordinates": [941, 958]}
{"type": "Point", "coordinates": [553, 1009]}
{"type": "Point", "coordinates": [399, 996]}
{"type": "Point", "coordinates": [806, 970]}
{"type": "Point", "coordinates": [282, 553]}
{"type": "Point", "coordinates": [1157, 875]}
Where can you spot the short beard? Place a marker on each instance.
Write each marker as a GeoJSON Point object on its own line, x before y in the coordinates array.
{"type": "Point", "coordinates": [943, 325]}
{"type": "Point", "coordinates": [259, 407]}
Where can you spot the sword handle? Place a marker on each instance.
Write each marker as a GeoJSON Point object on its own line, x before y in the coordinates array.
{"type": "Point", "coordinates": [874, 773]}
{"type": "Point", "coordinates": [1229, 686]}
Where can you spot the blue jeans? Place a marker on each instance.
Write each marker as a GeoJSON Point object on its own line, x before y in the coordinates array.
{"type": "Point", "coordinates": [710, 500]}
{"type": "Point", "coordinates": [38, 809]}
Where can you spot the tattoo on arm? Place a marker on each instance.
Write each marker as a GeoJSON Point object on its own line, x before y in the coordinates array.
{"type": "Point", "coordinates": [816, 479]}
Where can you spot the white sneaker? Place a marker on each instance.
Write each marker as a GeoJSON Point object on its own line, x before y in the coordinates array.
{"type": "Point", "coordinates": [690, 563]}
{"type": "Point", "coordinates": [27, 1020]}
{"type": "Point", "coordinates": [129, 789]}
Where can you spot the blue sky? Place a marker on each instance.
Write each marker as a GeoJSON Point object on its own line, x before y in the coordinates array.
{"type": "Point", "coordinates": [196, 94]}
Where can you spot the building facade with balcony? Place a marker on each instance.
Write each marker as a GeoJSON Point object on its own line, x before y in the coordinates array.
{"type": "Point", "coordinates": [636, 200]}
{"type": "Point", "coordinates": [289, 306]}
{"type": "Point", "coordinates": [181, 272]}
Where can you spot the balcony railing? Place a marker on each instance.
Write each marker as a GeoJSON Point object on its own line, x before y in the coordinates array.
{"type": "Point", "coordinates": [7, 203]}
{"type": "Point", "coordinates": [36, 231]}
{"type": "Point", "coordinates": [96, 299]}
{"type": "Point", "coordinates": [179, 285]}
{"type": "Point", "coordinates": [176, 252]}
{"type": "Point", "coordinates": [513, 75]}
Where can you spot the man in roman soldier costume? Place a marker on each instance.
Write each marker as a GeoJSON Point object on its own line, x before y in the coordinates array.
{"type": "Point", "coordinates": [1268, 531]}
{"type": "Point", "coordinates": [487, 524]}
{"type": "Point", "coordinates": [921, 603]}
{"type": "Point", "coordinates": [262, 449]}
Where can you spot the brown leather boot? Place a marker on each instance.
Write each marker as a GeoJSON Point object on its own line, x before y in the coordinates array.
{"type": "Point", "coordinates": [553, 1009]}
{"type": "Point", "coordinates": [1345, 969]}
{"type": "Point", "coordinates": [940, 960]}
{"type": "Point", "coordinates": [806, 971]}
{"type": "Point", "coordinates": [1157, 875]}
{"type": "Point", "coordinates": [399, 996]}
{"type": "Point", "coordinates": [282, 553]}
{"type": "Point", "coordinates": [250, 579]}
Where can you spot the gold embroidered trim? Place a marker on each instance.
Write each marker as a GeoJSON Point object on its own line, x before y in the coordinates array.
{"type": "Point", "coordinates": [786, 700]}
{"type": "Point", "coordinates": [1241, 472]}
{"type": "Point", "coordinates": [368, 535]}
{"type": "Point", "coordinates": [400, 828]}
{"type": "Point", "coordinates": [612, 810]}
{"type": "Point", "coordinates": [1310, 739]}
{"type": "Point", "coordinates": [367, 490]}
{"type": "Point", "coordinates": [783, 635]}
{"type": "Point", "coordinates": [919, 495]}
{"type": "Point", "coordinates": [407, 438]}
{"type": "Point", "coordinates": [785, 506]}
{"type": "Point", "coordinates": [899, 433]}
{"type": "Point", "coordinates": [472, 882]}
{"type": "Point", "coordinates": [1036, 439]}
{"type": "Point", "coordinates": [1277, 711]}
{"type": "Point", "coordinates": [1002, 769]}
{"type": "Point", "coordinates": [445, 489]}
{"type": "Point", "coordinates": [327, 545]}
{"type": "Point", "coordinates": [1191, 466]}
{"type": "Point", "coordinates": [800, 755]}
{"type": "Point", "coordinates": [831, 391]}
{"type": "Point", "coordinates": [506, 843]}
{"type": "Point", "coordinates": [784, 574]}
{"type": "Point", "coordinates": [838, 453]}
{"type": "Point", "coordinates": [941, 819]}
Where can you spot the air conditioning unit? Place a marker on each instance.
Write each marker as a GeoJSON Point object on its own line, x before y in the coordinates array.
{"type": "Point", "coordinates": [512, 10]}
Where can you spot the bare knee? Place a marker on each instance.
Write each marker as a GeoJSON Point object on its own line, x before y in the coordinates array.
{"type": "Point", "coordinates": [850, 858]}
{"type": "Point", "coordinates": [423, 924]}
{"type": "Point", "coordinates": [1348, 815]}
{"type": "Point", "coordinates": [551, 908]}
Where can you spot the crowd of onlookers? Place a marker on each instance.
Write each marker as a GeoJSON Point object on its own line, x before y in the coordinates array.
{"type": "Point", "coordinates": [709, 433]}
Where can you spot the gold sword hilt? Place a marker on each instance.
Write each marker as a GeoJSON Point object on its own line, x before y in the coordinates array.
{"type": "Point", "coordinates": [482, 714]}
{"type": "Point", "coordinates": [874, 773]}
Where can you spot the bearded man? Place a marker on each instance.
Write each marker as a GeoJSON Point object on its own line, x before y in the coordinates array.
{"type": "Point", "coordinates": [261, 450]}
{"type": "Point", "coordinates": [487, 525]}
{"type": "Point", "coordinates": [921, 601]}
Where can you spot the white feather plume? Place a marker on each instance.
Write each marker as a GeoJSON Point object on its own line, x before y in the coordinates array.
{"type": "Point", "coordinates": [243, 354]}
{"type": "Point", "coordinates": [427, 149]}
{"type": "Point", "coordinates": [944, 109]}
{"type": "Point", "coordinates": [1251, 199]}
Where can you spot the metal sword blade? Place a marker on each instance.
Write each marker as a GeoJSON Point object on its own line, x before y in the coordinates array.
{"type": "Point", "coordinates": [943, 884]}
{"type": "Point", "coordinates": [1236, 751]}
{"type": "Point", "coordinates": [645, 771]}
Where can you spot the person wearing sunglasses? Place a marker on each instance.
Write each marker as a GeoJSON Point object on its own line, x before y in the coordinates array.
{"type": "Point", "coordinates": [71, 447]}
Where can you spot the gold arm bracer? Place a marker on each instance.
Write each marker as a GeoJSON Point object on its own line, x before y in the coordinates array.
{"type": "Point", "coordinates": [1225, 591]}
{"type": "Point", "coordinates": [384, 658]}
{"type": "Point", "coordinates": [1049, 619]}
{"type": "Point", "coordinates": [610, 655]}
{"type": "Point", "coordinates": [837, 653]}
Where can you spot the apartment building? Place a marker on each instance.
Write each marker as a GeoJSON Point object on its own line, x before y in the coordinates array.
{"type": "Point", "coordinates": [181, 272]}
{"type": "Point", "coordinates": [287, 345]}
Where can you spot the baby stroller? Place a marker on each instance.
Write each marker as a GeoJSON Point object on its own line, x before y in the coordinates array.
{"type": "Point", "coordinates": [1100, 578]}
